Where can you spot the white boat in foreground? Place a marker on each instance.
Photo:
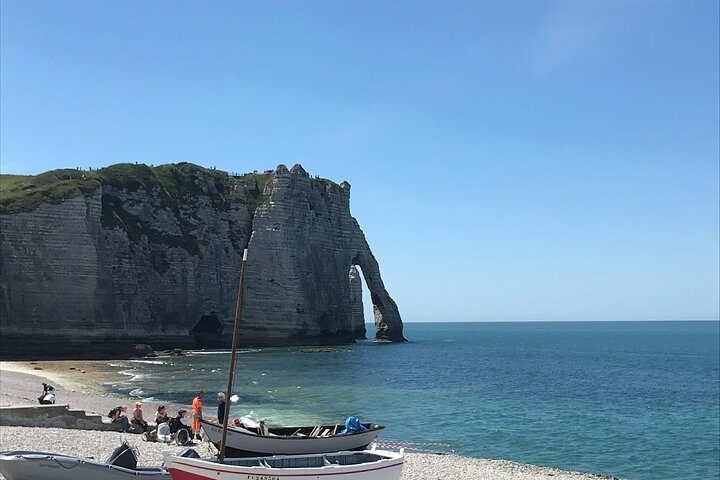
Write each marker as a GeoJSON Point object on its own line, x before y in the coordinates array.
{"type": "Point", "coordinates": [356, 465]}
{"type": "Point", "coordinates": [122, 465]}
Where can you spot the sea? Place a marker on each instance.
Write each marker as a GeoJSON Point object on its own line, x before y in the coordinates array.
{"type": "Point", "coordinates": [635, 400]}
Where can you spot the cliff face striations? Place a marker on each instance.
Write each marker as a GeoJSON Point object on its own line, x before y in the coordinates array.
{"type": "Point", "coordinates": [92, 263]}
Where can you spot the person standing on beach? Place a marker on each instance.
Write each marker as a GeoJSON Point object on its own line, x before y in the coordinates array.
{"type": "Point", "coordinates": [197, 414]}
{"type": "Point", "coordinates": [222, 411]}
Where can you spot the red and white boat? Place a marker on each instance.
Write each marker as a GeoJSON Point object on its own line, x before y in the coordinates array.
{"type": "Point", "coordinates": [356, 465]}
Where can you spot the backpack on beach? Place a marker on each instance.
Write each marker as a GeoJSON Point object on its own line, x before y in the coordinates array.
{"type": "Point", "coordinates": [112, 412]}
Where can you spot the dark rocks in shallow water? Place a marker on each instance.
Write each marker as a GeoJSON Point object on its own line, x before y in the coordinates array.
{"type": "Point", "coordinates": [152, 256]}
{"type": "Point", "coordinates": [142, 350]}
{"type": "Point", "coordinates": [175, 352]}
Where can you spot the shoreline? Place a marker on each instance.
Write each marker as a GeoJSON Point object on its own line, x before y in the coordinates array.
{"type": "Point", "coordinates": [21, 383]}
{"type": "Point", "coordinates": [77, 383]}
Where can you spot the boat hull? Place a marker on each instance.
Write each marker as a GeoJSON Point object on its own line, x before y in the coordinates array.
{"type": "Point", "coordinates": [387, 467]}
{"type": "Point", "coordinates": [241, 442]}
{"type": "Point", "coordinates": [19, 465]}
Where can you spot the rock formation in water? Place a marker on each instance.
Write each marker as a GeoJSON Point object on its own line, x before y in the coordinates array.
{"type": "Point", "coordinates": [94, 262]}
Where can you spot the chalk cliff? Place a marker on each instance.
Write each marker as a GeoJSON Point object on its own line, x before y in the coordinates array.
{"type": "Point", "coordinates": [93, 262]}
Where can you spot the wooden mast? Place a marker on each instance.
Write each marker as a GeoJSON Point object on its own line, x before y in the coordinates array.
{"type": "Point", "coordinates": [231, 373]}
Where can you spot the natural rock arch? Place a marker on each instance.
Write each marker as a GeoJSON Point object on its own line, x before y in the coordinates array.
{"type": "Point", "coordinates": [301, 251]}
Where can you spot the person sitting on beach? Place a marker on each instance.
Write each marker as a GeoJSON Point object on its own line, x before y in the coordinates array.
{"type": "Point", "coordinates": [179, 427]}
{"type": "Point", "coordinates": [42, 396]}
{"type": "Point", "coordinates": [161, 415]}
{"type": "Point", "coordinates": [159, 434]}
{"type": "Point", "coordinates": [118, 417]}
{"type": "Point", "coordinates": [179, 422]}
{"type": "Point", "coordinates": [138, 417]}
{"type": "Point", "coordinates": [49, 395]}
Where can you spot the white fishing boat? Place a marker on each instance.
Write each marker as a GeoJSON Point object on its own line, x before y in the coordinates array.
{"type": "Point", "coordinates": [363, 465]}
{"type": "Point", "coordinates": [122, 465]}
{"type": "Point", "coordinates": [261, 440]}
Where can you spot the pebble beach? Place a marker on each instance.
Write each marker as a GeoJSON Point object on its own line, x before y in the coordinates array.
{"type": "Point", "coordinates": [20, 384]}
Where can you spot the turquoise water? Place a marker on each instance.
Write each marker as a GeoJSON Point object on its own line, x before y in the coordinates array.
{"type": "Point", "coordinates": [637, 400]}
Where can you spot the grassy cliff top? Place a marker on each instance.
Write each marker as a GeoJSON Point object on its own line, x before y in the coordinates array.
{"type": "Point", "coordinates": [24, 193]}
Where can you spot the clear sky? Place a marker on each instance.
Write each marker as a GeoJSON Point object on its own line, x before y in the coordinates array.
{"type": "Point", "coordinates": [509, 160]}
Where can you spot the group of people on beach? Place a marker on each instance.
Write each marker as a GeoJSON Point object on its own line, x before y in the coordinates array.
{"type": "Point", "coordinates": [138, 424]}
{"type": "Point", "coordinates": [166, 427]}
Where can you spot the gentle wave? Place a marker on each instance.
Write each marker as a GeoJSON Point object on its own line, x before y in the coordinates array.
{"type": "Point", "coordinates": [220, 352]}
{"type": "Point", "coordinates": [136, 392]}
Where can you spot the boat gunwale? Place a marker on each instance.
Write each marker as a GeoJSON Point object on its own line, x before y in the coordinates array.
{"type": "Point", "coordinates": [374, 427]}
{"type": "Point", "coordinates": [33, 456]}
{"type": "Point", "coordinates": [394, 459]}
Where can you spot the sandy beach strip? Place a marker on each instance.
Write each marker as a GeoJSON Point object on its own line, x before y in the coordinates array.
{"type": "Point", "coordinates": [77, 383]}
{"type": "Point", "coordinates": [21, 383]}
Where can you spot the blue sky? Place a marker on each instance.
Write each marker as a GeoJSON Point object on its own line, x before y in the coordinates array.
{"type": "Point", "coordinates": [509, 160]}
